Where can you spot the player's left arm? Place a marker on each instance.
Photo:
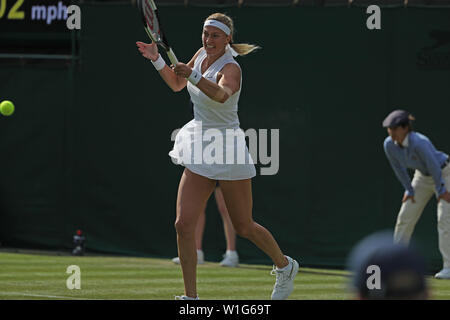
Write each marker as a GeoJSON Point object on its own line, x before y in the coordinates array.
{"type": "Point", "coordinates": [228, 82]}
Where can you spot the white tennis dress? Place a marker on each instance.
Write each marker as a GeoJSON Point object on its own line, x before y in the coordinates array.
{"type": "Point", "coordinates": [212, 144]}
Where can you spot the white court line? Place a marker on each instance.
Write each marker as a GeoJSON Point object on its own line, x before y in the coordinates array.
{"type": "Point", "coordinates": [40, 295]}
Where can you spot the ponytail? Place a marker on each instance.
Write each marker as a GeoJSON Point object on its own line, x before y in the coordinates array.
{"type": "Point", "coordinates": [244, 48]}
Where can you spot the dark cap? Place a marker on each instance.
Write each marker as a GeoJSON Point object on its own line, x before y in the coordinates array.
{"type": "Point", "coordinates": [402, 268]}
{"type": "Point", "coordinates": [397, 118]}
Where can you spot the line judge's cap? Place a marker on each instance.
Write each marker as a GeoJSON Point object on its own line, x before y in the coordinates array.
{"type": "Point", "coordinates": [397, 118]}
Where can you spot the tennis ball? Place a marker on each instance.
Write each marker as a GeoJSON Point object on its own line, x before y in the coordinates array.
{"type": "Point", "coordinates": [6, 108]}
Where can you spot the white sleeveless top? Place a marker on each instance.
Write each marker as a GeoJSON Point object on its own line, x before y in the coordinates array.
{"type": "Point", "coordinates": [204, 144]}
{"type": "Point", "coordinates": [214, 114]}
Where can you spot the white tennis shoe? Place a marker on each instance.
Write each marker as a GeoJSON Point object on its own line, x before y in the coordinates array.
{"type": "Point", "coordinates": [200, 258]}
{"type": "Point", "coordinates": [443, 274]}
{"type": "Point", "coordinates": [183, 297]}
{"type": "Point", "coordinates": [230, 259]}
{"type": "Point", "coordinates": [284, 283]}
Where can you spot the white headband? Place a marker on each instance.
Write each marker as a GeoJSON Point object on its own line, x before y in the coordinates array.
{"type": "Point", "coordinates": [218, 24]}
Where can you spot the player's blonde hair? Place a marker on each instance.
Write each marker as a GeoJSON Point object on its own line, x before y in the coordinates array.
{"type": "Point", "coordinates": [241, 48]}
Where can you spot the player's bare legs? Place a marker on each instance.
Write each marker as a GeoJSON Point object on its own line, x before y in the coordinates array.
{"type": "Point", "coordinates": [199, 230]}
{"type": "Point", "coordinates": [193, 193]}
{"type": "Point", "coordinates": [230, 233]}
{"type": "Point", "coordinates": [238, 198]}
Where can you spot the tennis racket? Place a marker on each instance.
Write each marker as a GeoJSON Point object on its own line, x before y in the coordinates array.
{"type": "Point", "coordinates": [152, 25]}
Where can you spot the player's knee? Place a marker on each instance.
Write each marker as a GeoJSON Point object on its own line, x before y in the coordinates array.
{"type": "Point", "coordinates": [244, 230]}
{"type": "Point", "coordinates": [184, 227]}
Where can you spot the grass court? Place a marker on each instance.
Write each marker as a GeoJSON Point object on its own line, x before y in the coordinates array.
{"type": "Point", "coordinates": [43, 276]}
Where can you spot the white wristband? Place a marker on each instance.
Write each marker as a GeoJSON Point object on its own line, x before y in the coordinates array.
{"type": "Point", "coordinates": [159, 63]}
{"type": "Point", "coordinates": [195, 77]}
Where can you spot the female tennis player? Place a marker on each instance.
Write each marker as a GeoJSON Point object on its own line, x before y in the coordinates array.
{"type": "Point", "coordinates": [213, 80]}
{"type": "Point", "coordinates": [404, 149]}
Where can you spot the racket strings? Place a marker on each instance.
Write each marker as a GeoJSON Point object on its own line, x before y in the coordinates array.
{"type": "Point", "coordinates": [152, 22]}
{"type": "Point", "coordinates": [149, 16]}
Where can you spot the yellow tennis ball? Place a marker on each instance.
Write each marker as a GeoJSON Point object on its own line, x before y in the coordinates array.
{"type": "Point", "coordinates": [6, 108]}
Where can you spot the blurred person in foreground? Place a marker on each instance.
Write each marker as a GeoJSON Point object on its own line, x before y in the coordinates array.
{"type": "Point", "coordinates": [385, 270]}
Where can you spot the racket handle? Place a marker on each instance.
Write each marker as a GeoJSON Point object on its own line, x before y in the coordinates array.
{"type": "Point", "coordinates": [172, 57]}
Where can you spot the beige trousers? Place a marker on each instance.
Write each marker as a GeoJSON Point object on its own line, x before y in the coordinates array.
{"type": "Point", "coordinates": [424, 189]}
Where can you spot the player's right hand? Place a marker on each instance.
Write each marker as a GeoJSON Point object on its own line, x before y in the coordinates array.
{"type": "Point", "coordinates": [406, 197]}
{"type": "Point", "coordinates": [148, 50]}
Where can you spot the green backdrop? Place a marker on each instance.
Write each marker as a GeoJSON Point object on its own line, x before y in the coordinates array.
{"type": "Point", "coordinates": [87, 147]}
